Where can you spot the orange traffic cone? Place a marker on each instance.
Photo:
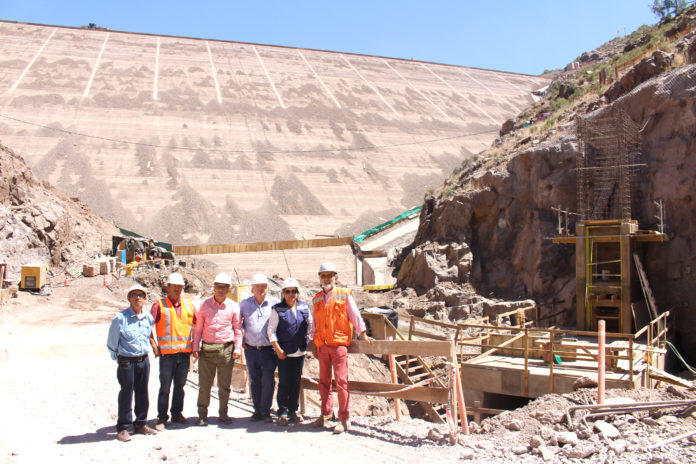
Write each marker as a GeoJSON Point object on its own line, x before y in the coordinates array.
{"type": "Point", "coordinates": [104, 280]}
{"type": "Point", "coordinates": [66, 280]}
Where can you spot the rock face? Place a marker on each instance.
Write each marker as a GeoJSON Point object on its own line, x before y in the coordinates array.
{"type": "Point", "coordinates": [646, 69]}
{"type": "Point", "coordinates": [39, 224]}
{"type": "Point", "coordinates": [502, 213]}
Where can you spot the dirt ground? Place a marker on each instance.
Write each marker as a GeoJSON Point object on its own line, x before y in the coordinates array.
{"type": "Point", "coordinates": [58, 393]}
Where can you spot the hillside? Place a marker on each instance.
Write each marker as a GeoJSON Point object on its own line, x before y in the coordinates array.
{"type": "Point", "coordinates": [487, 229]}
{"type": "Point", "coordinates": [39, 224]}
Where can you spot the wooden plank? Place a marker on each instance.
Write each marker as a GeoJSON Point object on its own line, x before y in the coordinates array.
{"type": "Point", "coordinates": [401, 347]}
{"type": "Point", "coordinates": [647, 292]}
{"type": "Point", "coordinates": [389, 390]}
{"type": "Point", "coordinates": [662, 376]}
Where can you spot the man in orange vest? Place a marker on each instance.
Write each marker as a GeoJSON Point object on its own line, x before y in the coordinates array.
{"type": "Point", "coordinates": [174, 319]}
{"type": "Point", "coordinates": [335, 316]}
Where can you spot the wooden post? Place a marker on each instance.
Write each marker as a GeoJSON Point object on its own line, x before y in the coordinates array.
{"type": "Point", "coordinates": [392, 369]}
{"type": "Point", "coordinates": [526, 362]}
{"type": "Point", "coordinates": [303, 400]}
{"type": "Point", "coordinates": [245, 375]}
{"type": "Point", "coordinates": [601, 333]}
{"type": "Point", "coordinates": [630, 363]}
{"type": "Point", "coordinates": [551, 360]}
{"type": "Point", "coordinates": [458, 406]}
{"type": "Point", "coordinates": [477, 412]}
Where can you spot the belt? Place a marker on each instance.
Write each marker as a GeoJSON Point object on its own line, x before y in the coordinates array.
{"type": "Point", "coordinates": [136, 359]}
{"type": "Point", "coordinates": [225, 344]}
{"type": "Point", "coordinates": [259, 347]}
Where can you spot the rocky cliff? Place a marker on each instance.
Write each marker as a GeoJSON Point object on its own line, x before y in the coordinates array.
{"type": "Point", "coordinates": [489, 226]}
{"type": "Point", "coordinates": [40, 224]}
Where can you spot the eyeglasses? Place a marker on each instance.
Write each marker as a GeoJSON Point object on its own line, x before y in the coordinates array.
{"type": "Point", "coordinates": [221, 287]}
{"type": "Point", "coordinates": [137, 295]}
{"type": "Point", "coordinates": [293, 291]}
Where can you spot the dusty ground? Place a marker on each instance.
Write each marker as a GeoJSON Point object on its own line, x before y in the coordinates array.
{"type": "Point", "coordinates": [58, 395]}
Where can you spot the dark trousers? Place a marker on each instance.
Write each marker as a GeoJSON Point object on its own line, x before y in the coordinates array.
{"type": "Point", "coordinates": [172, 367]}
{"type": "Point", "coordinates": [261, 365]}
{"type": "Point", "coordinates": [133, 377]}
{"type": "Point", "coordinates": [289, 378]}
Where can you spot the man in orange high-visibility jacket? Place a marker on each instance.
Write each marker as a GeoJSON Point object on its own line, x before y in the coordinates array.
{"type": "Point", "coordinates": [335, 316]}
{"type": "Point", "coordinates": [174, 320]}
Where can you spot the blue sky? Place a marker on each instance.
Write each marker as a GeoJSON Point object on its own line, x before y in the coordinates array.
{"type": "Point", "coordinates": [509, 35]}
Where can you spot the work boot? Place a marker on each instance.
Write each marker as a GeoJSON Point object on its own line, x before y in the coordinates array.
{"type": "Point", "coordinates": [145, 430]}
{"type": "Point", "coordinates": [257, 416]}
{"type": "Point", "coordinates": [123, 435]}
{"type": "Point", "coordinates": [267, 418]}
{"type": "Point", "coordinates": [202, 421]}
{"type": "Point", "coordinates": [342, 426]}
{"type": "Point", "coordinates": [160, 424]}
{"type": "Point", "coordinates": [225, 419]}
{"type": "Point", "coordinates": [321, 420]}
{"type": "Point", "coordinates": [180, 419]}
{"type": "Point", "coordinates": [294, 417]}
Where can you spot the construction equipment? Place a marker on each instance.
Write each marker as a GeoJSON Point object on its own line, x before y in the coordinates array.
{"type": "Point", "coordinates": [33, 276]}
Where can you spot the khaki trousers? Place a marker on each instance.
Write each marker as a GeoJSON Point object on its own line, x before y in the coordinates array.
{"type": "Point", "coordinates": [208, 365]}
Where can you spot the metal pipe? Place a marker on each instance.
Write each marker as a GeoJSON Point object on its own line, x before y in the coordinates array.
{"type": "Point", "coordinates": [626, 407]}
{"type": "Point", "coordinates": [672, 440]}
{"type": "Point", "coordinates": [601, 333]}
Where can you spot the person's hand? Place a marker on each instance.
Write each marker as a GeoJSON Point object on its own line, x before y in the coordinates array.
{"type": "Point", "coordinates": [365, 338]}
{"type": "Point", "coordinates": [281, 354]}
{"type": "Point", "coordinates": [236, 355]}
{"type": "Point", "coordinates": [195, 356]}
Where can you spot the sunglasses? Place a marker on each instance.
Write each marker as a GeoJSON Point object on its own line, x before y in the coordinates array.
{"type": "Point", "coordinates": [138, 295]}
{"type": "Point", "coordinates": [293, 291]}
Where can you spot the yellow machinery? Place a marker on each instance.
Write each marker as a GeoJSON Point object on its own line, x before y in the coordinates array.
{"type": "Point", "coordinates": [33, 277]}
{"type": "Point", "coordinates": [238, 292]}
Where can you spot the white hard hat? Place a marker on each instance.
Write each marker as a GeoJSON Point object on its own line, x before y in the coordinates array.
{"type": "Point", "coordinates": [327, 266]}
{"type": "Point", "coordinates": [259, 279]}
{"type": "Point", "coordinates": [290, 283]}
{"type": "Point", "coordinates": [135, 288]}
{"type": "Point", "coordinates": [223, 278]}
{"type": "Point", "coordinates": [175, 279]}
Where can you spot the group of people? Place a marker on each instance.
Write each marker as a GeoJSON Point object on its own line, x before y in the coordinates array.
{"type": "Point", "coordinates": [273, 334]}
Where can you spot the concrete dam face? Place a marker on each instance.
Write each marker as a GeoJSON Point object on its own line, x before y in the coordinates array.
{"type": "Point", "coordinates": [204, 141]}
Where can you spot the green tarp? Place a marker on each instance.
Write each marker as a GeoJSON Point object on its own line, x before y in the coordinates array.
{"type": "Point", "coordinates": [128, 233]}
{"type": "Point", "coordinates": [384, 225]}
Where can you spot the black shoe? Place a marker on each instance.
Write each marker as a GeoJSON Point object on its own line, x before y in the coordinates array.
{"type": "Point", "coordinates": [267, 418]}
{"type": "Point", "coordinates": [256, 417]}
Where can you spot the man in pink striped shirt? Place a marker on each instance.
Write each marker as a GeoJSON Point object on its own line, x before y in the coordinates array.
{"type": "Point", "coordinates": [217, 342]}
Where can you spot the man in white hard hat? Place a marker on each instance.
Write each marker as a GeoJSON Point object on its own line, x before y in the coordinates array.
{"type": "Point", "coordinates": [259, 354]}
{"type": "Point", "coordinates": [174, 320]}
{"type": "Point", "coordinates": [217, 342]}
{"type": "Point", "coordinates": [129, 343]}
{"type": "Point", "coordinates": [335, 316]}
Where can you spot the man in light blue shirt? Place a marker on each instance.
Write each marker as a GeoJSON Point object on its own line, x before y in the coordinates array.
{"type": "Point", "coordinates": [260, 357]}
{"type": "Point", "coordinates": [129, 343]}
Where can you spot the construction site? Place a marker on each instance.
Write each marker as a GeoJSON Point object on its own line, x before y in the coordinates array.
{"type": "Point", "coordinates": [525, 268]}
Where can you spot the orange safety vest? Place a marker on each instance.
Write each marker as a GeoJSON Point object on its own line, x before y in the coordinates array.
{"type": "Point", "coordinates": [332, 326]}
{"type": "Point", "coordinates": [174, 333]}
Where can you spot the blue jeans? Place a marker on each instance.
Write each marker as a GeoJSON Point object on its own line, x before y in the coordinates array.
{"type": "Point", "coordinates": [172, 367]}
{"type": "Point", "coordinates": [289, 379]}
{"type": "Point", "coordinates": [133, 377]}
{"type": "Point", "coordinates": [261, 365]}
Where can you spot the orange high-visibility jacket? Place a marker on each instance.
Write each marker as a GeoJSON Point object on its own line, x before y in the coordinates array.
{"type": "Point", "coordinates": [174, 333]}
{"type": "Point", "coordinates": [332, 326]}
